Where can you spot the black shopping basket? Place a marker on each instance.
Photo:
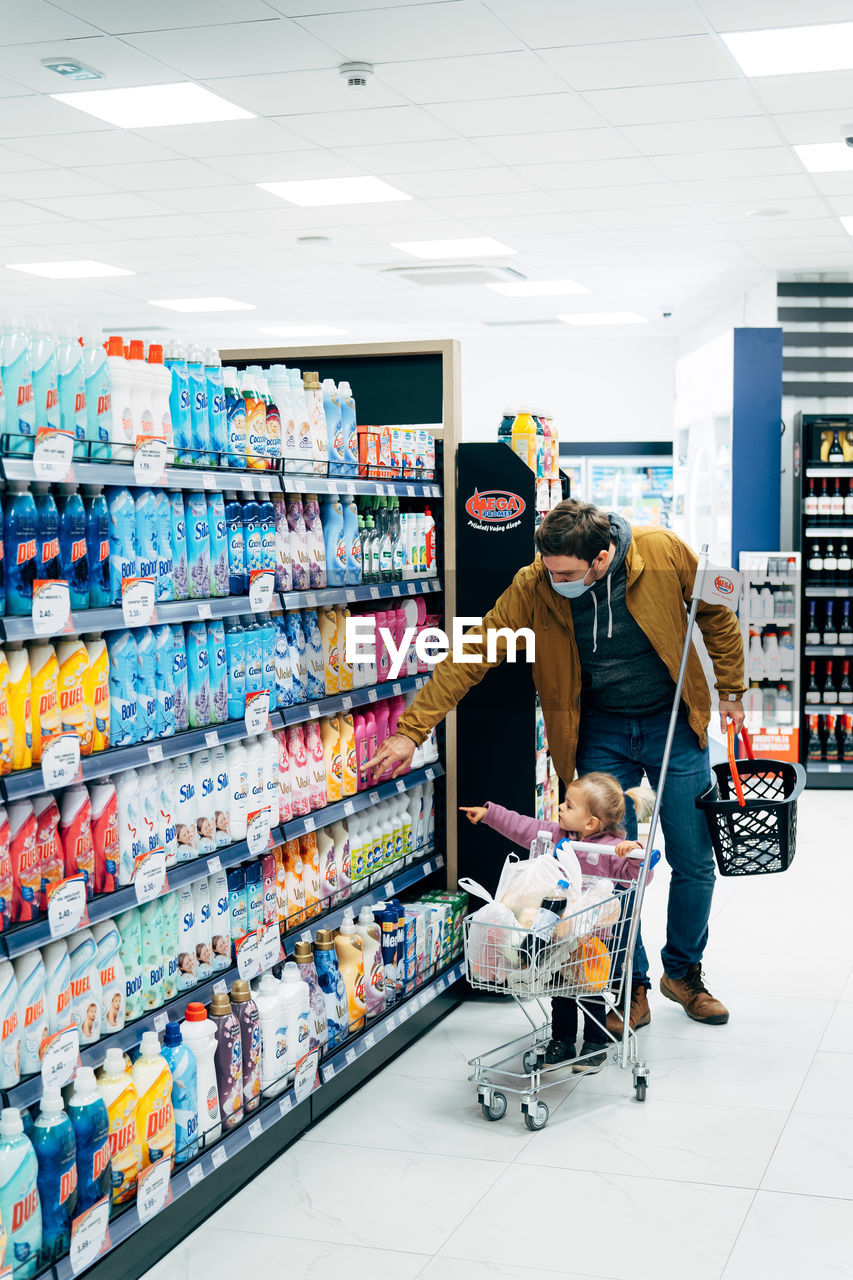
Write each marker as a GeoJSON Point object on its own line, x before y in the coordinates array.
{"type": "Point", "coordinates": [751, 811]}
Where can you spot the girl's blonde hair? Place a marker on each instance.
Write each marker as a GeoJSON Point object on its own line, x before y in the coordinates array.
{"type": "Point", "coordinates": [605, 800]}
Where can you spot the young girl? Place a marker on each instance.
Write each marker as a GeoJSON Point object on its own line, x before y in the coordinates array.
{"type": "Point", "coordinates": [592, 812]}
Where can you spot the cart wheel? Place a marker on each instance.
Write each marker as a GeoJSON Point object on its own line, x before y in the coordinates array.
{"type": "Point", "coordinates": [496, 1109]}
{"type": "Point", "coordinates": [531, 1059]}
{"type": "Point", "coordinates": [539, 1120]}
{"type": "Point", "coordinates": [640, 1088]}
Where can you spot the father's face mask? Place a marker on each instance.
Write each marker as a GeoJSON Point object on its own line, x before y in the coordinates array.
{"type": "Point", "coordinates": [571, 590]}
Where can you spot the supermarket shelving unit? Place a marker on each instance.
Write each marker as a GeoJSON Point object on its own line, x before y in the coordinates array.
{"type": "Point", "coordinates": [393, 384]}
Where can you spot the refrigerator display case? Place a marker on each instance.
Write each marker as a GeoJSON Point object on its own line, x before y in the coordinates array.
{"type": "Point", "coordinates": [637, 486]}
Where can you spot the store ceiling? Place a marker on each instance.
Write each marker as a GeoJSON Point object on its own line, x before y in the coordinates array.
{"type": "Point", "coordinates": [616, 144]}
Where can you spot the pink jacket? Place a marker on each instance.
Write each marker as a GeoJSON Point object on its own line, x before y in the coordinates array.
{"type": "Point", "coordinates": [521, 831]}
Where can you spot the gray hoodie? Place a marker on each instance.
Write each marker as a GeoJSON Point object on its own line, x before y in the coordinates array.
{"type": "Point", "coordinates": [621, 671]}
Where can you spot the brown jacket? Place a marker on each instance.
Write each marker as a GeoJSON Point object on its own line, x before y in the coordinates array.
{"type": "Point", "coordinates": [660, 572]}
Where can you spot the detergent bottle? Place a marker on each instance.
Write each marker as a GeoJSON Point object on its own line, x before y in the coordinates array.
{"type": "Point", "coordinates": [317, 423]}
{"type": "Point", "coordinates": [119, 1096]}
{"type": "Point", "coordinates": [47, 533]}
{"type": "Point", "coordinates": [155, 1117]}
{"type": "Point", "coordinates": [124, 676]}
{"type": "Point", "coordinates": [218, 534]}
{"type": "Point", "coordinates": [199, 1036]}
{"type": "Point", "coordinates": [180, 679]}
{"type": "Point", "coordinates": [73, 547]}
{"type": "Point", "coordinates": [10, 1036]}
{"type": "Point", "coordinates": [20, 1208]}
{"type": "Point", "coordinates": [96, 691]}
{"type": "Point", "coordinates": [49, 853]}
{"type": "Point", "coordinates": [19, 696]}
{"type": "Point", "coordinates": [349, 429]}
{"type": "Point", "coordinates": [87, 1112]}
{"type": "Point", "coordinates": [86, 998]}
{"type": "Point", "coordinates": [182, 1065]}
{"type": "Point", "coordinates": [151, 923]}
{"type": "Point", "coordinates": [246, 1012]}
{"type": "Point", "coordinates": [374, 966]}
{"type": "Point", "coordinates": [32, 1009]}
{"type": "Point", "coordinates": [103, 804]}
{"type": "Point", "coordinates": [20, 546]}
{"type": "Point", "coordinates": [7, 732]}
{"type": "Point", "coordinates": [332, 515]}
{"type": "Point", "coordinates": [56, 1154]}
{"type": "Point", "coordinates": [75, 711]}
{"type": "Point", "coordinates": [314, 543]}
{"type": "Point", "coordinates": [352, 542]}
{"type": "Point", "coordinates": [75, 830]}
{"type": "Point", "coordinates": [45, 675]}
{"type": "Point", "coordinates": [130, 954]}
{"type": "Point", "coordinates": [273, 1029]}
{"type": "Point", "coordinates": [228, 1060]}
{"type": "Point", "coordinates": [350, 952]}
{"type": "Point", "coordinates": [180, 569]}
{"type": "Point", "coordinates": [334, 428]}
{"type": "Point", "coordinates": [334, 989]}
{"type": "Point", "coordinates": [235, 411]}
{"type": "Point", "coordinates": [170, 944]}
{"type": "Point", "coordinates": [57, 986]}
{"type": "Point", "coordinates": [122, 527]}
{"type": "Point", "coordinates": [319, 1031]}
{"type": "Point", "coordinates": [24, 858]}
{"type": "Point", "coordinates": [112, 975]}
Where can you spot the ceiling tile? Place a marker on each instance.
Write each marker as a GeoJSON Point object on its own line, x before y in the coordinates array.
{"type": "Point", "coordinates": [671, 235]}
{"type": "Point", "coordinates": [62, 231]}
{"type": "Point", "coordinates": [200, 199]}
{"type": "Point", "coordinates": [500, 224]}
{"type": "Point", "coordinates": [455, 153]}
{"type": "Point", "coordinates": [751, 15]}
{"type": "Point", "coordinates": [27, 116]}
{"type": "Point", "coordinates": [642, 62]}
{"type": "Point", "coordinates": [757, 188]}
{"type": "Point", "coordinates": [598, 173]}
{"type": "Point", "coordinates": [544, 113]}
{"type": "Point", "coordinates": [225, 137]}
{"type": "Point", "coordinates": [702, 101]}
{"type": "Point", "coordinates": [735, 211]}
{"type": "Point", "coordinates": [496, 75]}
{"type": "Point", "coordinates": [758, 229]}
{"type": "Point", "coordinates": [14, 213]}
{"type": "Point", "coordinates": [462, 182]}
{"type": "Point", "coordinates": [285, 166]}
{"type": "Point", "coordinates": [541, 148]}
{"type": "Point", "coordinates": [385, 125]}
{"type": "Point", "coordinates": [730, 164]}
{"type": "Point", "coordinates": [812, 126]}
{"type": "Point", "coordinates": [121, 16]}
{"type": "Point", "coordinates": [38, 20]}
{"type": "Point", "coordinates": [837, 187]}
{"type": "Point", "coordinates": [427, 31]}
{"type": "Point", "coordinates": [109, 146]}
{"type": "Point", "coordinates": [545, 23]}
{"type": "Point", "coordinates": [238, 49]}
{"type": "Point", "coordinates": [161, 175]}
{"type": "Point", "coordinates": [400, 215]}
{"type": "Point", "coordinates": [152, 228]}
{"type": "Point", "coordinates": [308, 8]}
{"type": "Point", "coordinates": [826, 91]}
{"type": "Point", "coordinates": [13, 160]}
{"type": "Point", "coordinates": [701, 135]}
{"type": "Point", "coordinates": [39, 183]}
{"type": "Point", "coordinates": [630, 216]}
{"type": "Point", "coordinates": [654, 195]}
{"type": "Point", "coordinates": [298, 92]}
{"type": "Point", "coordinates": [522, 203]}
{"type": "Point", "coordinates": [123, 204]}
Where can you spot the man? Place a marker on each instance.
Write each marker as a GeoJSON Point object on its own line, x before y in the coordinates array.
{"type": "Point", "coordinates": [608, 608]}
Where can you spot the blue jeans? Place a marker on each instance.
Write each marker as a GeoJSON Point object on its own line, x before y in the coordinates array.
{"type": "Point", "coordinates": [627, 748]}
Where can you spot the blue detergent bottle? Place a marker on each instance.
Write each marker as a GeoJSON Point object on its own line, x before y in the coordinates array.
{"type": "Point", "coordinates": [238, 583]}
{"type": "Point", "coordinates": [122, 539]}
{"type": "Point", "coordinates": [16, 372]}
{"type": "Point", "coordinates": [218, 665]}
{"type": "Point", "coordinates": [179, 678]}
{"type": "Point", "coordinates": [165, 707]}
{"type": "Point", "coordinates": [180, 569]}
{"type": "Point", "coordinates": [198, 547]}
{"type": "Point", "coordinates": [198, 675]}
{"type": "Point", "coordinates": [352, 542]}
{"type": "Point", "coordinates": [333, 989]}
{"type": "Point", "coordinates": [72, 390]}
{"type": "Point", "coordinates": [2, 560]}
{"type": "Point", "coordinates": [98, 547]}
{"type": "Point", "coordinates": [124, 673]}
{"type": "Point", "coordinates": [252, 538]}
{"type": "Point", "coordinates": [267, 630]}
{"type": "Point", "coordinates": [349, 429]}
{"type": "Point", "coordinates": [217, 418]}
{"type": "Point", "coordinates": [20, 550]}
{"type": "Point", "coordinates": [235, 410]}
{"type": "Point", "coordinates": [283, 669]}
{"type": "Point", "coordinates": [47, 533]}
{"type": "Point", "coordinates": [147, 541]}
{"type": "Point", "coordinates": [181, 1063]}
{"type": "Point", "coordinates": [56, 1153]}
{"type": "Point", "coordinates": [99, 410]}
{"type": "Point", "coordinates": [146, 685]}
{"type": "Point", "coordinates": [199, 426]}
{"type": "Point", "coordinates": [296, 643]}
{"type": "Point", "coordinates": [20, 1208]}
{"type": "Point", "coordinates": [218, 536]}
{"type": "Point", "coordinates": [254, 654]}
{"type": "Point", "coordinates": [87, 1112]}
{"type": "Point", "coordinates": [332, 516]}
{"type": "Point", "coordinates": [266, 519]}
{"type": "Point", "coordinates": [175, 360]}
{"type": "Point", "coordinates": [235, 649]}
{"type": "Point", "coordinates": [73, 548]}
{"type": "Point", "coordinates": [45, 378]}
{"type": "Point", "coordinates": [334, 427]}
{"type": "Point", "coordinates": [163, 512]}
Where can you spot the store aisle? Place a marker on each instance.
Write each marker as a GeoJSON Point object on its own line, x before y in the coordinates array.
{"type": "Point", "coordinates": [738, 1165]}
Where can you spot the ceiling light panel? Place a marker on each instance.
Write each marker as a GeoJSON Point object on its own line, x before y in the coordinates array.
{"type": "Point", "coordinates": [75, 269]}
{"type": "Point", "coordinates": [153, 106]}
{"type": "Point", "coordinates": [474, 247]}
{"type": "Point", "coordinates": [826, 157]}
{"type": "Point", "coordinates": [793, 50]}
{"type": "Point", "coordinates": [539, 288]}
{"type": "Point", "coordinates": [331, 191]}
{"type": "Point", "coordinates": [201, 304]}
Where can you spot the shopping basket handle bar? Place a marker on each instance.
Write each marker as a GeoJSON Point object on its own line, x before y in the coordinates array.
{"type": "Point", "coordinates": [638, 854]}
{"type": "Point", "coordinates": [732, 733]}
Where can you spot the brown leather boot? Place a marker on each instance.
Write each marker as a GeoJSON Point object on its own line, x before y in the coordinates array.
{"type": "Point", "coordinates": [694, 997]}
{"type": "Point", "coordinates": [640, 1015]}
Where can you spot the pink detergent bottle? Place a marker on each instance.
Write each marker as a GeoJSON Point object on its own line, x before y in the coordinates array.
{"type": "Point", "coordinates": [381, 718]}
{"type": "Point", "coordinates": [316, 765]}
{"type": "Point", "coordinates": [299, 771]}
{"type": "Point", "coordinates": [285, 799]}
{"type": "Point", "coordinates": [359, 722]}
{"type": "Point", "coordinates": [372, 742]}
{"type": "Point", "coordinates": [383, 658]}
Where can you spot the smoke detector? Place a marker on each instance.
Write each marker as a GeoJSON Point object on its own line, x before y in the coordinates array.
{"type": "Point", "coordinates": [356, 74]}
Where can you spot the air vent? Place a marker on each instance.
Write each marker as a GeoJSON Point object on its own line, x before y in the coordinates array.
{"type": "Point", "coordinates": [457, 274]}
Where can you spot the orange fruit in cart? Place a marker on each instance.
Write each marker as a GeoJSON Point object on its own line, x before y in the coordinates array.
{"type": "Point", "coordinates": [595, 963]}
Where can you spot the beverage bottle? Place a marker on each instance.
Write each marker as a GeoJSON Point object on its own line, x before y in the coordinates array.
{"type": "Point", "coordinates": [155, 1117]}
{"type": "Point", "coordinates": [845, 742]}
{"type": "Point", "coordinates": [180, 678]}
{"type": "Point", "coordinates": [845, 631]}
{"type": "Point", "coordinates": [199, 1036]}
{"type": "Point", "coordinates": [350, 953]}
{"type": "Point", "coordinates": [120, 1098]}
{"type": "Point", "coordinates": [845, 563]}
{"type": "Point", "coordinates": [235, 412]}
{"type": "Point", "coordinates": [845, 689]}
{"type": "Point", "coordinates": [830, 560]}
{"type": "Point", "coordinates": [836, 453]}
{"type": "Point", "coordinates": [823, 502]}
{"type": "Point", "coordinates": [836, 502]}
{"type": "Point", "coordinates": [812, 635]}
{"type": "Point", "coordinates": [245, 1010]}
{"type": "Point", "coordinates": [815, 561]}
{"type": "Point", "coordinates": [830, 635]}
{"type": "Point", "coordinates": [182, 1068]}
{"type": "Point", "coordinates": [830, 692]}
{"type": "Point", "coordinates": [784, 706]}
{"type": "Point", "coordinates": [112, 975]}
{"type": "Point", "coordinates": [180, 567]}
{"type": "Point", "coordinates": [19, 549]}
{"type": "Point", "coordinates": [267, 996]}
{"type": "Point", "coordinates": [831, 748]}
{"type": "Point", "coordinates": [47, 512]}
{"type": "Point", "coordinates": [56, 1154]}
{"type": "Point", "coordinates": [20, 1207]}
{"type": "Point", "coordinates": [87, 1112]}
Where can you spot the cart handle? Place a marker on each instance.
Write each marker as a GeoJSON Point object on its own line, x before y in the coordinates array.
{"type": "Point", "coordinates": [732, 733]}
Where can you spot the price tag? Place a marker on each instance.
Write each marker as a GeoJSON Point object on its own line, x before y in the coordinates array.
{"type": "Point", "coordinates": [214, 864]}
{"type": "Point", "coordinates": [90, 1236]}
{"type": "Point", "coordinates": [155, 753]}
{"type": "Point", "coordinates": [374, 593]}
{"type": "Point", "coordinates": [395, 589]}
{"type": "Point", "coordinates": [369, 1040]}
{"type": "Point", "coordinates": [351, 1056]}
{"type": "Point", "coordinates": [390, 1023]}
{"type": "Point", "coordinates": [266, 483]}
{"type": "Point", "coordinates": [246, 484]}
{"type": "Point", "coordinates": [283, 1108]}
{"type": "Point", "coordinates": [204, 611]}
{"type": "Point", "coordinates": [154, 1189]}
{"type": "Point", "coordinates": [305, 1075]}
{"type": "Point", "coordinates": [255, 1129]}
{"type": "Point", "coordinates": [401, 785]}
{"type": "Point", "coordinates": [440, 985]}
{"type": "Point", "coordinates": [430, 773]}
{"type": "Point", "coordinates": [311, 600]}
{"type": "Point", "coordinates": [60, 1054]}
{"type": "Point", "coordinates": [52, 454]}
{"type": "Point", "coordinates": [60, 760]}
{"type": "Point", "coordinates": [271, 950]}
{"type": "Point", "coordinates": [149, 874]}
{"type": "Point", "coordinates": [51, 606]}
{"type": "Point", "coordinates": [211, 738]}
{"type": "Point", "coordinates": [328, 1072]}
{"type": "Point", "coordinates": [218, 1155]}
{"type": "Point", "coordinates": [66, 906]}
{"type": "Point", "coordinates": [257, 716]}
{"type": "Point", "coordinates": [309, 823]}
{"type": "Point", "coordinates": [372, 695]}
{"type": "Point", "coordinates": [257, 831]}
{"type": "Point", "coordinates": [397, 689]}
{"type": "Point", "coordinates": [248, 955]}
{"type": "Point", "coordinates": [137, 601]}
{"type": "Point", "coordinates": [410, 490]}
{"type": "Point", "coordinates": [195, 1173]}
{"type": "Point", "coordinates": [346, 702]}
{"type": "Point", "coordinates": [374, 797]}
{"type": "Point", "coordinates": [220, 987]}
{"type": "Point", "coordinates": [305, 935]}
{"type": "Point", "coordinates": [350, 595]}
{"type": "Point", "coordinates": [389, 888]}
{"type": "Point", "coordinates": [314, 711]}
{"type": "Point", "coordinates": [208, 481]}
{"type": "Point", "coordinates": [160, 1020]}
{"type": "Point", "coordinates": [427, 868]}
{"type": "Point", "coordinates": [149, 459]}
{"type": "Point", "coordinates": [261, 589]}
{"type": "Point", "coordinates": [349, 808]}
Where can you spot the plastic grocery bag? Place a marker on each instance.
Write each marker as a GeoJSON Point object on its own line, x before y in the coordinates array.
{"type": "Point", "coordinates": [523, 885]}
{"type": "Point", "coordinates": [490, 928]}
{"type": "Point", "coordinates": [597, 909]}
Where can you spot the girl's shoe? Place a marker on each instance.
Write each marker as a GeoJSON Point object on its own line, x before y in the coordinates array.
{"type": "Point", "coordinates": [559, 1051]}
{"type": "Point", "coordinates": [593, 1056]}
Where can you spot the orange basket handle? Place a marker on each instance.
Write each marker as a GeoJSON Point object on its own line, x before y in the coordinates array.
{"type": "Point", "coordinates": [732, 732]}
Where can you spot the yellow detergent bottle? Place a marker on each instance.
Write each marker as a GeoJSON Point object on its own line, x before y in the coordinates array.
{"type": "Point", "coordinates": [98, 691]}
{"type": "Point", "coordinates": [20, 706]}
{"type": "Point", "coordinates": [350, 952]}
{"type": "Point", "coordinates": [74, 710]}
{"type": "Point", "coordinates": [119, 1093]}
{"type": "Point", "coordinates": [331, 735]}
{"type": "Point", "coordinates": [331, 654]}
{"type": "Point", "coordinates": [6, 736]}
{"type": "Point", "coordinates": [349, 767]}
{"type": "Point", "coordinates": [45, 676]}
{"type": "Point", "coordinates": [155, 1118]}
{"type": "Point", "coordinates": [344, 667]}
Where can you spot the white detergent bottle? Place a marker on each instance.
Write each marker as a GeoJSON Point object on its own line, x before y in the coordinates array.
{"type": "Point", "coordinates": [374, 965]}
{"type": "Point", "coordinates": [112, 975]}
{"type": "Point", "coordinates": [32, 1009]}
{"type": "Point", "coordinates": [220, 921]}
{"type": "Point", "coordinates": [166, 800]}
{"type": "Point", "coordinates": [152, 820]}
{"type": "Point", "coordinates": [296, 1003]}
{"type": "Point", "coordinates": [269, 749]}
{"type": "Point", "coordinates": [238, 780]}
{"type": "Point", "coordinates": [199, 1035]}
{"type": "Point", "coordinates": [10, 1038]}
{"type": "Point", "coordinates": [185, 809]}
{"type": "Point", "coordinates": [273, 1023]}
{"type": "Point", "coordinates": [130, 932]}
{"type": "Point", "coordinates": [129, 824]}
{"type": "Point", "coordinates": [221, 796]}
{"type": "Point", "coordinates": [186, 938]}
{"type": "Point", "coordinates": [86, 998]}
{"type": "Point", "coordinates": [343, 858]}
{"type": "Point", "coordinates": [203, 942]}
{"type": "Point", "coordinates": [57, 968]}
{"type": "Point", "coordinates": [205, 799]}
{"type": "Point", "coordinates": [20, 1208]}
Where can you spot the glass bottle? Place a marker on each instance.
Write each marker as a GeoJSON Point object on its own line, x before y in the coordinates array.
{"type": "Point", "coordinates": [830, 635]}
{"type": "Point", "coordinates": [836, 453]}
{"type": "Point", "coordinates": [845, 689]}
{"type": "Point", "coordinates": [812, 690]}
{"type": "Point", "coordinates": [814, 750]}
{"type": "Point", "coordinates": [830, 692]}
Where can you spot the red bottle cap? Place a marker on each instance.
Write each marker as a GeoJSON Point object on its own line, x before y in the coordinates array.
{"type": "Point", "coordinates": [155, 353]}
{"type": "Point", "coordinates": [196, 1012]}
{"type": "Point", "coordinates": [115, 346]}
{"type": "Point", "coordinates": [136, 350]}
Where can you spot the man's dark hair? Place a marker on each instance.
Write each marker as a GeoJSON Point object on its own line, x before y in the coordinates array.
{"type": "Point", "coordinates": [574, 528]}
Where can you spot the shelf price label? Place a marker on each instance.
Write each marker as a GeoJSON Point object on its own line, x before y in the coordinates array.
{"type": "Point", "coordinates": [305, 1075]}
{"type": "Point", "coordinates": [154, 1189]}
{"type": "Point", "coordinates": [257, 831]}
{"type": "Point", "coordinates": [60, 760]}
{"type": "Point", "coordinates": [257, 711]}
{"type": "Point", "coordinates": [90, 1236]}
{"type": "Point", "coordinates": [261, 589]}
{"type": "Point", "coordinates": [149, 874]}
{"type": "Point", "coordinates": [248, 954]}
{"type": "Point", "coordinates": [271, 951]}
{"type": "Point", "coordinates": [52, 454]}
{"type": "Point", "coordinates": [66, 906]}
{"type": "Point", "coordinates": [60, 1054]}
{"type": "Point", "coordinates": [51, 606]}
{"type": "Point", "coordinates": [149, 459]}
{"type": "Point", "coordinates": [137, 601]}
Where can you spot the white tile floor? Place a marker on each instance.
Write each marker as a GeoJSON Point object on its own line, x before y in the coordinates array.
{"type": "Point", "coordinates": [739, 1166]}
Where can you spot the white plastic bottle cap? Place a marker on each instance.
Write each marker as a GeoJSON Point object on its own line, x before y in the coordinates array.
{"type": "Point", "coordinates": [150, 1046]}
{"type": "Point", "coordinates": [290, 972]}
{"type": "Point", "coordinates": [114, 1062]}
{"type": "Point", "coordinates": [84, 1080]}
{"type": "Point", "coordinates": [51, 1100]}
{"type": "Point", "coordinates": [10, 1122]}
